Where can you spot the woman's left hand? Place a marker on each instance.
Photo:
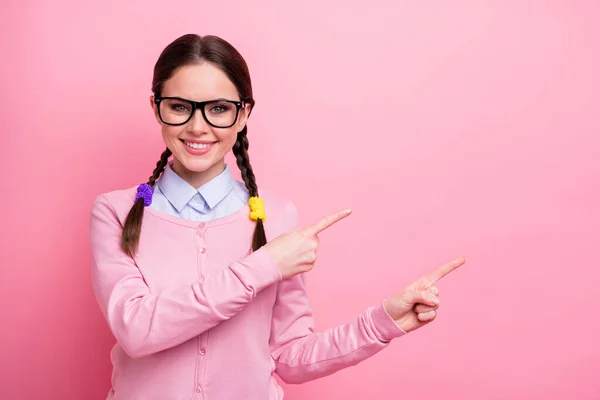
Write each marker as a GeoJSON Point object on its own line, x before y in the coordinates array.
{"type": "Point", "coordinates": [417, 304]}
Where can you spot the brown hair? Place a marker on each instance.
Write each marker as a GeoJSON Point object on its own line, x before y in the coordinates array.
{"type": "Point", "coordinates": [193, 49]}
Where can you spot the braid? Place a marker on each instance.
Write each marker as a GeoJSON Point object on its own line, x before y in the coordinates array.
{"type": "Point", "coordinates": [160, 167]}
{"type": "Point", "coordinates": [133, 224]}
{"type": "Point", "coordinates": [240, 150]}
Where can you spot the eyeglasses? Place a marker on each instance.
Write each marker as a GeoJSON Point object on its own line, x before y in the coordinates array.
{"type": "Point", "coordinates": [218, 113]}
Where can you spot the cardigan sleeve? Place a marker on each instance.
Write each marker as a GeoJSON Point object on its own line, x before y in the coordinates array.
{"type": "Point", "coordinates": [145, 323]}
{"type": "Point", "coordinates": [301, 354]}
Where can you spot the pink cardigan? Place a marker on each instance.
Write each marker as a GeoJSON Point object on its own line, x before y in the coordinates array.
{"type": "Point", "coordinates": [196, 315]}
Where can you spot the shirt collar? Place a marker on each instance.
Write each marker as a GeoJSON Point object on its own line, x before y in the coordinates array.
{"type": "Point", "coordinates": [179, 192]}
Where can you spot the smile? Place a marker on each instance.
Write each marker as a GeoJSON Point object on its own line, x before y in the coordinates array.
{"type": "Point", "coordinates": [198, 145]}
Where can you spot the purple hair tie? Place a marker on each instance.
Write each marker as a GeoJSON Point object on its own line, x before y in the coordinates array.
{"type": "Point", "coordinates": [145, 191]}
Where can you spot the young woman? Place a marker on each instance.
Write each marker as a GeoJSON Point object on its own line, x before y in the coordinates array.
{"type": "Point", "coordinates": [200, 277]}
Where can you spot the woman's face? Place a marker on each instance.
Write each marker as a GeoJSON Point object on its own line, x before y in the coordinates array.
{"type": "Point", "coordinates": [198, 148]}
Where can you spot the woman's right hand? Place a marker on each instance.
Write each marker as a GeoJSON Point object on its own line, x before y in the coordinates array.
{"type": "Point", "coordinates": [295, 251]}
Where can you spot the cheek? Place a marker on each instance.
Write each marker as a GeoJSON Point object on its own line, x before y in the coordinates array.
{"type": "Point", "coordinates": [170, 132]}
{"type": "Point", "coordinates": [227, 138]}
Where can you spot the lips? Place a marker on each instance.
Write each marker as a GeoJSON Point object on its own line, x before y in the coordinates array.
{"type": "Point", "coordinates": [198, 148]}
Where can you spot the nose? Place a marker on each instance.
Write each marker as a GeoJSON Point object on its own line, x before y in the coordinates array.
{"type": "Point", "coordinates": [197, 124]}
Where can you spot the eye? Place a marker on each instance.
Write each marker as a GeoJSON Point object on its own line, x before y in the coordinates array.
{"type": "Point", "coordinates": [179, 107]}
{"type": "Point", "coordinates": [219, 108]}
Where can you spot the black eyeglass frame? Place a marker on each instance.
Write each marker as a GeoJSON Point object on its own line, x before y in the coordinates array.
{"type": "Point", "coordinates": [200, 105]}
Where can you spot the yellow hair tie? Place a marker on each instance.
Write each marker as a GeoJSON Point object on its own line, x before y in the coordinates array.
{"type": "Point", "coordinates": [257, 207]}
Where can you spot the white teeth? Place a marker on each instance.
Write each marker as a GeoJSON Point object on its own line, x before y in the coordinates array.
{"type": "Point", "coordinates": [198, 145]}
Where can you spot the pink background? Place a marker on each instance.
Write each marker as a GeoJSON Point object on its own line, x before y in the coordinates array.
{"type": "Point", "coordinates": [451, 128]}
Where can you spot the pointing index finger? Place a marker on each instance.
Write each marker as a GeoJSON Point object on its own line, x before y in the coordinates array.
{"type": "Point", "coordinates": [441, 272]}
{"type": "Point", "coordinates": [326, 222]}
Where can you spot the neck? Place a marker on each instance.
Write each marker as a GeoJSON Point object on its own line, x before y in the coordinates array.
{"type": "Point", "coordinates": [198, 178]}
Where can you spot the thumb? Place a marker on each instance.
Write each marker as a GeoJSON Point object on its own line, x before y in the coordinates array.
{"type": "Point", "coordinates": [412, 297]}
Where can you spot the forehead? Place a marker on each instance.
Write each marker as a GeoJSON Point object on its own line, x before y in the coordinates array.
{"type": "Point", "coordinates": [200, 82]}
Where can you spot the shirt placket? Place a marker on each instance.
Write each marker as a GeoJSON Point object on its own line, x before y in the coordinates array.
{"type": "Point", "coordinates": [202, 340]}
{"type": "Point", "coordinates": [198, 207]}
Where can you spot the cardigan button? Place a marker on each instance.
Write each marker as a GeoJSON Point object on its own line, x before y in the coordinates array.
{"type": "Point", "coordinates": [198, 389]}
{"type": "Point", "coordinates": [202, 250]}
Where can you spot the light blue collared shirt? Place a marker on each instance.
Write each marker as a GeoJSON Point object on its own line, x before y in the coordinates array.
{"type": "Point", "coordinates": [219, 197]}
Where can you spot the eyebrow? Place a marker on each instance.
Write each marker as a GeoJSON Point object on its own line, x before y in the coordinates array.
{"type": "Point", "coordinates": [214, 99]}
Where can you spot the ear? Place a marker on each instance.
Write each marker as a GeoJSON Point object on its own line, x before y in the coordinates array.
{"type": "Point", "coordinates": [244, 115]}
{"type": "Point", "coordinates": [154, 109]}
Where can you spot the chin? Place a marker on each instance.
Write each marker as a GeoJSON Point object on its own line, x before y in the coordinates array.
{"type": "Point", "coordinates": [197, 165]}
